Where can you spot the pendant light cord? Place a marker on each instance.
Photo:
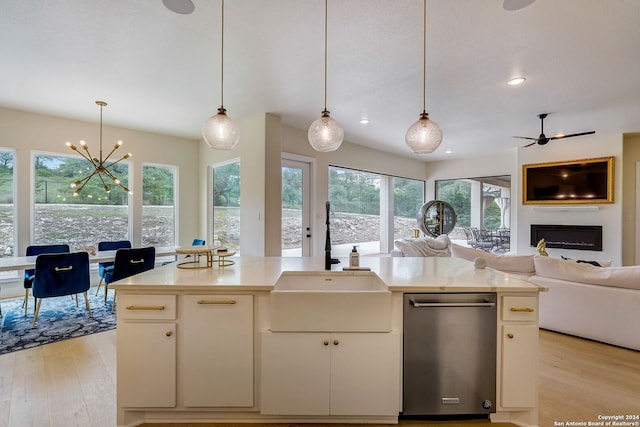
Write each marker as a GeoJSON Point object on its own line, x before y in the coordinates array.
{"type": "Point", "coordinates": [325, 54]}
{"type": "Point", "coordinates": [222, 57]}
{"type": "Point", "coordinates": [424, 60]}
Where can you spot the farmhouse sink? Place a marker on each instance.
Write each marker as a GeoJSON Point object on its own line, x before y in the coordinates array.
{"type": "Point", "coordinates": [330, 302]}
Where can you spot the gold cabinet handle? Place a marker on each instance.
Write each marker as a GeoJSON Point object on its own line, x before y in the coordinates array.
{"type": "Point", "coordinates": [325, 342]}
{"type": "Point", "coordinates": [168, 333]}
{"type": "Point", "coordinates": [510, 335]}
{"type": "Point", "coordinates": [224, 302]}
{"type": "Point", "coordinates": [145, 307]}
{"type": "Point", "coordinates": [522, 309]}
{"type": "Point", "coordinates": [336, 342]}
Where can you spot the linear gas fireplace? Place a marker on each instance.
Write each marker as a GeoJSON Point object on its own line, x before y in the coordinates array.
{"type": "Point", "coordinates": [581, 237]}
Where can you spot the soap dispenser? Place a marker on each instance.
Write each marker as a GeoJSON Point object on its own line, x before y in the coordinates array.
{"type": "Point", "coordinates": [354, 258]}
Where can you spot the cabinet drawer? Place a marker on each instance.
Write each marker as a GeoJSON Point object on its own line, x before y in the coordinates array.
{"type": "Point", "coordinates": [146, 307]}
{"type": "Point", "coordinates": [519, 308]}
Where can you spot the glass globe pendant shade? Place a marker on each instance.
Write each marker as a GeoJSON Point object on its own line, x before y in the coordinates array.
{"type": "Point", "coordinates": [424, 136]}
{"type": "Point", "coordinates": [325, 134]}
{"type": "Point", "coordinates": [220, 132]}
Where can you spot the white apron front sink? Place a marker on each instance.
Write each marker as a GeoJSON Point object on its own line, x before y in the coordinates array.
{"type": "Point", "coordinates": [330, 302]}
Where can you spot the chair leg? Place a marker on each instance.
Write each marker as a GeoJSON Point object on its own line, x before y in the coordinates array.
{"type": "Point", "coordinates": [106, 291]}
{"type": "Point", "coordinates": [25, 303]}
{"type": "Point", "coordinates": [35, 312]}
{"type": "Point", "coordinates": [99, 284]}
{"type": "Point", "coordinates": [86, 301]}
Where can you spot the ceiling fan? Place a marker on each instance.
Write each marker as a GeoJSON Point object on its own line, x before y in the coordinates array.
{"type": "Point", "coordinates": [543, 139]}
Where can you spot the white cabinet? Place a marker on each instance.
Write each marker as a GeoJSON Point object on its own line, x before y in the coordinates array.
{"type": "Point", "coordinates": [330, 373]}
{"type": "Point", "coordinates": [216, 350]}
{"type": "Point", "coordinates": [519, 354]}
{"type": "Point", "coordinates": [146, 351]}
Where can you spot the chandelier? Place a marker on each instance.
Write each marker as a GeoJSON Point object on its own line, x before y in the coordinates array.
{"type": "Point", "coordinates": [424, 136]}
{"type": "Point", "coordinates": [219, 131]}
{"type": "Point", "coordinates": [325, 134]}
{"type": "Point", "coordinates": [100, 167]}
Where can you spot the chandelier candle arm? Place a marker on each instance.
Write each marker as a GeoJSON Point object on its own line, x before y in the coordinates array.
{"type": "Point", "coordinates": [100, 168]}
{"type": "Point", "coordinates": [424, 136]}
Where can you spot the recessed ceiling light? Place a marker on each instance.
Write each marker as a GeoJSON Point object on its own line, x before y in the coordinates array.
{"type": "Point", "coordinates": [448, 151]}
{"type": "Point", "coordinates": [516, 81]}
{"type": "Point", "coordinates": [364, 121]}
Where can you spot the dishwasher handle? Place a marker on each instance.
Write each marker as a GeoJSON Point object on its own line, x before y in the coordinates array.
{"type": "Point", "coordinates": [421, 304]}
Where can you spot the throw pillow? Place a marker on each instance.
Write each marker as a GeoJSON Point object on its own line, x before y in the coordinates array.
{"type": "Point", "coordinates": [425, 246]}
{"type": "Point", "coordinates": [522, 264]}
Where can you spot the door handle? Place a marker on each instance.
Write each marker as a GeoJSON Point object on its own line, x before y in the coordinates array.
{"type": "Point", "coordinates": [420, 304]}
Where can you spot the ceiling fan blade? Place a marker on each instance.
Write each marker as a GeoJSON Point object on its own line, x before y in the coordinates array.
{"type": "Point", "coordinates": [526, 137]}
{"type": "Point", "coordinates": [573, 134]}
{"type": "Point", "coordinates": [529, 145]}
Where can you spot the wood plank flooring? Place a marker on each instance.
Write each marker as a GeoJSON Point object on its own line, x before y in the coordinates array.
{"type": "Point", "coordinates": [72, 383]}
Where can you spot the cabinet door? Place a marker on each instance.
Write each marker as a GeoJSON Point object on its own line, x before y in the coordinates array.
{"type": "Point", "coordinates": [295, 373]}
{"type": "Point", "coordinates": [216, 353]}
{"type": "Point", "coordinates": [365, 374]}
{"type": "Point", "coordinates": [519, 366]}
{"type": "Point", "coordinates": [146, 364]}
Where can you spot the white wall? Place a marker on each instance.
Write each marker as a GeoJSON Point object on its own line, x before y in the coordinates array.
{"type": "Point", "coordinates": [30, 132]}
{"type": "Point", "coordinates": [609, 216]}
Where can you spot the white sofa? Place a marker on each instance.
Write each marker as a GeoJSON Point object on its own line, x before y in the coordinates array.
{"type": "Point", "coordinates": [599, 303]}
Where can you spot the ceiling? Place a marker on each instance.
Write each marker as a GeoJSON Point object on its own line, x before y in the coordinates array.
{"type": "Point", "coordinates": [160, 70]}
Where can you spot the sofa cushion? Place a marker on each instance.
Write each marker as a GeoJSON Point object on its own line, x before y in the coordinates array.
{"type": "Point", "coordinates": [522, 264]}
{"type": "Point", "coordinates": [556, 268]}
{"type": "Point", "coordinates": [425, 246]}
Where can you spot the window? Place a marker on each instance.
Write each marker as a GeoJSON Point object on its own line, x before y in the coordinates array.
{"type": "Point", "coordinates": [408, 196]}
{"type": "Point", "coordinates": [158, 205]}
{"type": "Point", "coordinates": [360, 207]}
{"type": "Point", "coordinates": [7, 211]}
{"type": "Point", "coordinates": [80, 221]}
{"type": "Point", "coordinates": [482, 203]}
{"type": "Point", "coordinates": [355, 210]}
{"type": "Point", "coordinates": [226, 206]}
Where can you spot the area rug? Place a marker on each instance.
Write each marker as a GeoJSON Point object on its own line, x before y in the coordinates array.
{"type": "Point", "coordinates": [58, 319]}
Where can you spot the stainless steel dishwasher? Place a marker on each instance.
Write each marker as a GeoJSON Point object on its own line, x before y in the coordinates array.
{"type": "Point", "coordinates": [449, 344]}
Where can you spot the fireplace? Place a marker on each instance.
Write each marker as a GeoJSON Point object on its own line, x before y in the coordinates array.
{"type": "Point", "coordinates": [581, 237]}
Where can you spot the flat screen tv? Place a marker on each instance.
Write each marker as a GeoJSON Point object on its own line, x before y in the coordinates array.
{"type": "Point", "coordinates": [577, 181]}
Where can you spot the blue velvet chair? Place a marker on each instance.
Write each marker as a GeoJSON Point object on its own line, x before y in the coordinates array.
{"type": "Point", "coordinates": [129, 262]}
{"type": "Point", "coordinates": [103, 267]}
{"type": "Point", "coordinates": [29, 275]}
{"type": "Point", "coordinates": [59, 275]}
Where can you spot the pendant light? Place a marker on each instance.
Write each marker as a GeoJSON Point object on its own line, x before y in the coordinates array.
{"type": "Point", "coordinates": [424, 136]}
{"type": "Point", "coordinates": [219, 131]}
{"type": "Point", "coordinates": [325, 134]}
{"type": "Point", "coordinates": [99, 165]}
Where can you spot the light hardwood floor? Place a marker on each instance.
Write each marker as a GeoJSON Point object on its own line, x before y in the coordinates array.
{"type": "Point", "coordinates": [72, 383]}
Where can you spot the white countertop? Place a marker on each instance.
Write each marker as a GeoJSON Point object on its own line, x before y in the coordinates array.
{"type": "Point", "coordinates": [419, 274]}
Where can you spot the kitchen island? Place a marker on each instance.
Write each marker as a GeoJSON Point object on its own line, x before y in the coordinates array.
{"type": "Point", "coordinates": [198, 345]}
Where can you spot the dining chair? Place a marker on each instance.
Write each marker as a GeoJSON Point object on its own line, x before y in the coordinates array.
{"type": "Point", "coordinates": [129, 262]}
{"type": "Point", "coordinates": [29, 275]}
{"type": "Point", "coordinates": [59, 275]}
{"type": "Point", "coordinates": [103, 267]}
